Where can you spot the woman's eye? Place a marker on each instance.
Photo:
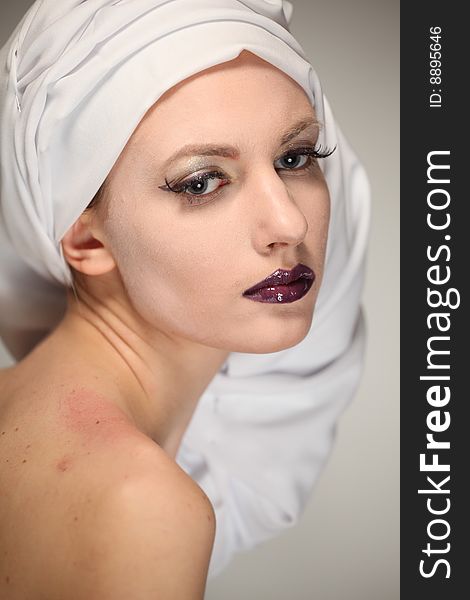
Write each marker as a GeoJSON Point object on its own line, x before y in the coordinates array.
{"type": "Point", "coordinates": [291, 161]}
{"type": "Point", "coordinates": [303, 158]}
{"type": "Point", "coordinates": [201, 186]}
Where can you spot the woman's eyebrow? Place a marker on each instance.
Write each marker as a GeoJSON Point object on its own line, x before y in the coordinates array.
{"type": "Point", "coordinates": [234, 151]}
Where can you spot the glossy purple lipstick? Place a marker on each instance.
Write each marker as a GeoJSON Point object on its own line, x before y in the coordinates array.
{"type": "Point", "coordinates": [282, 286]}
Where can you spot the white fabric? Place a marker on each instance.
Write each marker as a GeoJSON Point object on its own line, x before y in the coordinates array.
{"type": "Point", "coordinates": [76, 77]}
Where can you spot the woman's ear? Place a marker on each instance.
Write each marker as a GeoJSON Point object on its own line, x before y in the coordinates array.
{"type": "Point", "coordinates": [85, 252]}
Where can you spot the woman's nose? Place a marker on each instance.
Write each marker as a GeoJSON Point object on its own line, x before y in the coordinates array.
{"type": "Point", "coordinates": [277, 218]}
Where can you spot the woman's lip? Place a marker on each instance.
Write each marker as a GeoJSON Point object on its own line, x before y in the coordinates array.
{"type": "Point", "coordinates": [282, 294]}
{"type": "Point", "coordinates": [282, 277]}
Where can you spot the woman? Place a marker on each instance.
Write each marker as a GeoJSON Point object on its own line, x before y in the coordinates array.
{"type": "Point", "coordinates": [157, 270]}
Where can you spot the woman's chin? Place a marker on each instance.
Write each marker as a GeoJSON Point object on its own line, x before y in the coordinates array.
{"type": "Point", "coordinates": [273, 339]}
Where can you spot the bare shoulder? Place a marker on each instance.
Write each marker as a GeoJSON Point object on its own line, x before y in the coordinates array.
{"type": "Point", "coordinates": [151, 537]}
{"type": "Point", "coordinates": [111, 514]}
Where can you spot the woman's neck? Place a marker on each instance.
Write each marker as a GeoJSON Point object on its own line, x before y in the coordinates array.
{"type": "Point", "coordinates": [155, 378]}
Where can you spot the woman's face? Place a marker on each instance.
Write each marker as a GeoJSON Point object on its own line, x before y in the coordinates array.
{"type": "Point", "coordinates": [185, 259]}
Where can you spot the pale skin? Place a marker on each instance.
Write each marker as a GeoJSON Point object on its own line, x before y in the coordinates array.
{"type": "Point", "coordinates": [91, 420]}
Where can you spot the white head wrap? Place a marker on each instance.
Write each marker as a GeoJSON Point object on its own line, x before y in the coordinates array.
{"type": "Point", "coordinates": [76, 78]}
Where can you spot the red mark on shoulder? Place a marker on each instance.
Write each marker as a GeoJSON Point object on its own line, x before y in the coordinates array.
{"type": "Point", "coordinates": [93, 416]}
{"type": "Point", "coordinates": [64, 463]}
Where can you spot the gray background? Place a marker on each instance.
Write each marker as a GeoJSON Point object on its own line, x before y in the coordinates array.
{"type": "Point", "coordinates": [346, 546]}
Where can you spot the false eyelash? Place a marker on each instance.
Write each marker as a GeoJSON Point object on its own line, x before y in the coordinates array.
{"type": "Point", "coordinates": [316, 152]}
